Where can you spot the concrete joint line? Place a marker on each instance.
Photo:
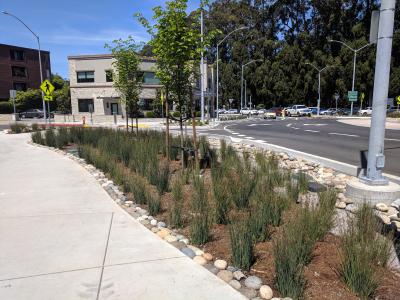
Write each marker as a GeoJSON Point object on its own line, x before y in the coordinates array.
{"type": "Point", "coordinates": [105, 256]}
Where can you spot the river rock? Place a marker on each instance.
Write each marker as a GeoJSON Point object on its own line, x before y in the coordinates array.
{"type": "Point", "coordinates": [396, 204]}
{"type": "Point", "coordinates": [155, 229]}
{"type": "Point", "coordinates": [153, 222]}
{"type": "Point", "coordinates": [381, 207]}
{"type": "Point", "coordinates": [238, 275]}
{"type": "Point", "coordinates": [385, 219]}
{"type": "Point", "coordinates": [161, 224]}
{"type": "Point", "coordinates": [247, 292]}
{"type": "Point", "coordinates": [170, 238]}
{"type": "Point", "coordinates": [188, 252]}
{"type": "Point", "coordinates": [163, 233]}
{"type": "Point", "coordinates": [266, 292]}
{"type": "Point", "coordinates": [200, 260]}
{"type": "Point", "coordinates": [341, 205]}
{"type": "Point", "coordinates": [211, 268]}
{"type": "Point", "coordinates": [196, 250]}
{"type": "Point", "coordinates": [177, 244]}
{"type": "Point", "coordinates": [208, 256]}
{"type": "Point", "coordinates": [253, 282]}
{"type": "Point", "coordinates": [220, 264]}
{"type": "Point", "coordinates": [235, 284]}
{"type": "Point", "coordinates": [225, 275]}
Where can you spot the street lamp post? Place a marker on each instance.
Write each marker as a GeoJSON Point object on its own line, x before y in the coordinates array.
{"type": "Point", "coordinates": [219, 43]}
{"type": "Point", "coordinates": [241, 81]}
{"type": "Point", "coordinates": [319, 84]}
{"type": "Point", "coordinates": [355, 51]}
{"type": "Point", "coordinates": [40, 60]}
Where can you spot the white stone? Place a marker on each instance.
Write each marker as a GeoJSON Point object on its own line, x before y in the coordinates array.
{"type": "Point", "coordinates": [220, 264]}
{"type": "Point", "coordinates": [208, 256]}
{"type": "Point", "coordinates": [253, 282]}
{"type": "Point", "coordinates": [170, 238]}
{"type": "Point", "coordinates": [266, 292]}
{"type": "Point", "coordinates": [238, 275]}
{"type": "Point", "coordinates": [381, 207]}
{"type": "Point", "coordinates": [153, 222]}
{"type": "Point", "coordinates": [396, 204]}
{"type": "Point", "coordinates": [235, 284]}
{"type": "Point", "coordinates": [225, 275]}
{"type": "Point", "coordinates": [200, 260]}
{"type": "Point", "coordinates": [341, 205]}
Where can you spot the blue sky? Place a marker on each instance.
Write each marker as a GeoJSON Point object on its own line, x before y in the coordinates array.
{"type": "Point", "coordinates": [75, 26]}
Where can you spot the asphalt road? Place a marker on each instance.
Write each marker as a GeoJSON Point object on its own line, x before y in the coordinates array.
{"type": "Point", "coordinates": [323, 137]}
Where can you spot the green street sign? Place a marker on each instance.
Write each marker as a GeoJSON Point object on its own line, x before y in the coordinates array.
{"type": "Point", "coordinates": [352, 95]}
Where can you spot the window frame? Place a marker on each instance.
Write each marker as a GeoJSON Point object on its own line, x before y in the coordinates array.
{"type": "Point", "coordinates": [23, 83]}
{"type": "Point", "coordinates": [109, 73]}
{"type": "Point", "coordinates": [16, 75]}
{"type": "Point", "coordinates": [14, 58]}
{"type": "Point", "coordinates": [86, 79]}
{"type": "Point", "coordinates": [87, 102]}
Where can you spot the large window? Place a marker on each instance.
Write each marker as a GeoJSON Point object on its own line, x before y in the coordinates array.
{"type": "Point", "coordinates": [19, 86]}
{"type": "Point", "coordinates": [17, 54]}
{"type": "Point", "coordinates": [18, 71]}
{"type": "Point", "coordinates": [85, 105]}
{"type": "Point", "coordinates": [85, 76]}
{"type": "Point", "coordinates": [150, 78]}
{"type": "Point", "coordinates": [109, 76]}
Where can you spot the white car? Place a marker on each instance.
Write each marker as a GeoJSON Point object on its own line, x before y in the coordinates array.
{"type": "Point", "coordinates": [254, 111]}
{"type": "Point", "coordinates": [299, 111]}
{"type": "Point", "coordinates": [231, 111]}
{"type": "Point", "coordinates": [261, 111]}
{"type": "Point", "coordinates": [365, 112]}
{"type": "Point", "coordinates": [245, 111]}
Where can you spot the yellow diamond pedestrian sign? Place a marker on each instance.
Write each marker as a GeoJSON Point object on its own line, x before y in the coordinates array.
{"type": "Point", "coordinates": [398, 99]}
{"type": "Point", "coordinates": [47, 87]}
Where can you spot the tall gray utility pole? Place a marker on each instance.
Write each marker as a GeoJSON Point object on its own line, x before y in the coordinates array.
{"type": "Point", "coordinates": [40, 60]}
{"type": "Point", "coordinates": [376, 157]}
{"type": "Point", "coordinates": [319, 85]}
{"type": "Point", "coordinates": [202, 69]}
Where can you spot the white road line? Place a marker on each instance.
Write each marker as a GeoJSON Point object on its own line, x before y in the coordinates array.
{"type": "Point", "coordinates": [288, 125]}
{"type": "Point", "coordinates": [260, 141]}
{"type": "Point", "coordinates": [394, 140]}
{"type": "Point", "coordinates": [314, 124]}
{"type": "Point", "coordinates": [308, 130]}
{"type": "Point", "coordinates": [234, 133]}
{"type": "Point", "coordinates": [295, 128]}
{"type": "Point", "coordinates": [343, 134]}
{"type": "Point", "coordinates": [249, 137]}
{"type": "Point", "coordinates": [241, 135]}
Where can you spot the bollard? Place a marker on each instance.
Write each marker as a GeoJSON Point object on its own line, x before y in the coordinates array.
{"type": "Point", "coordinates": [83, 120]}
{"type": "Point", "coordinates": [115, 118]}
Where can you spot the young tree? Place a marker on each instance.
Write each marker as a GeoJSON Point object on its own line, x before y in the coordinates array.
{"type": "Point", "coordinates": [176, 43]}
{"type": "Point", "coordinates": [127, 77]}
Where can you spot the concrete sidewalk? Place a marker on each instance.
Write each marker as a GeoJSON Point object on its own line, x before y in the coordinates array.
{"type": "Point", "coordinates": [393, 124]}
{"type": "Point", "coordinates": [62, 237]}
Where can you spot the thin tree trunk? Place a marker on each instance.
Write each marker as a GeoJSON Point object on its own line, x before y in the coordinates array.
{"type": "Point", "coordinates": [126, 117]}
{"type": "Point", "coordinates": [131, 124]}
{"type": "Point", "coordinates": [137, 124]}
{"type": "Point", "coordinates": [166, 124]}
{"type": "Point", "coordinates": [196, 158]}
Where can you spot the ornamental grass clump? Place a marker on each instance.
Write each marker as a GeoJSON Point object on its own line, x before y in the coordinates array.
{"type": "Point", "coordinates": [221, 196]}
{"type": "Point", "coordinates": [175, 215]}
{"type": "Point", "coordinates": [18, 128]}
{"type": "Point", "coordinates": [158, 175]}
{"type": "Point", "coordinates": [364, 253]}
{"type": "Point", "coordinates": [302, 182]}
{"type": "Point", "coordinates": [199, 225]}
{"type": "Point", "coordinates": [37, 138]}
{"type": "Point", "coordinates": [153, 201]}
{"type": "Point", "coordinates": [62, 137]}
{"type": "Point", "coordinates": [50, 138]}
{"type": "Point", "coordinates": [242, 246]}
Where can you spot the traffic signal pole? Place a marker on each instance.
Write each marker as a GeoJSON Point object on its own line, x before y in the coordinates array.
{"type": "Point", "coordinates": [376, 158]}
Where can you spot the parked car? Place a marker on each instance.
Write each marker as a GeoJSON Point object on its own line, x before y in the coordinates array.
{"type": "Point", "coordinates": [254, 111]}
{"type": "Point", "coordinates": [299, 110]}
{"type": "Point", "coordinates": [277, 110]}
{"type": "Point", "coordinates": [231, 111]}
{"type": "Point", "coordinates": [34, 113]}
{"type": "Point", "coordinates": [220, 111]}
{"type": "Point", "coordinates": [261, 111]}
{"type": "Point", "coordinates": [314, 110]}
{"type": "Point", "coordinates": [245, 111]}
{"type": "Point", "coordinates": [365, 111]}
{"type": "Point", "coordinates": [269, 114]}
{"type": "Point", "coordinates": [328, 112]}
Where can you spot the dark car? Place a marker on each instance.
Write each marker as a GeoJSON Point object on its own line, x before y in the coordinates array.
{"type": "Point", "coordinates": [31, 113]}
{"type": "Point", "coordinates": [277, 110]}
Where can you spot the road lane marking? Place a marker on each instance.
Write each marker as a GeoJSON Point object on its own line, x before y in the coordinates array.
{"type": "Point", "coordinates": [234, 133]}
{"type": "Point", "coordinates": [260, 141]}
{"type": "Point", "coordinates": [315, 124]}
{"type": "Point", "coordinates": [295, 128]}
{"type": "Point", "coordinates": [308, 130]}
{"type": "Point", "coordinates": [344, 134]}
{"type": "Point", "coordinates": [241, 135]}
{"type": "Point", "coordinates": [249, 137]}
{"type": "Point", "coordinates": [288, 125]}
{"type": "Point", "coordinates": [393, 140]}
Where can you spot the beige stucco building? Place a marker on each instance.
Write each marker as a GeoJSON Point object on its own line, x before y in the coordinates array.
{"type": "Point", "coordinates": [92, 88]}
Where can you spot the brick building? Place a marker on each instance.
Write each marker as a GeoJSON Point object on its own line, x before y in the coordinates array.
{"type": "Point", "coordinates": [19, 69]}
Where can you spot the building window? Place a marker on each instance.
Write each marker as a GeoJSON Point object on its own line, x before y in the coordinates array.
{"type": "Point", "coordinates": [109, 76]}
{"type": "Point", "coordinates": [18, 71]}
{"type": "Point", "coordinates": [85, 76]}
{"type": "Point", "coordinates": [17, 55]}
{"type": "Point", "coordinates": [19, 86]}
{"type": "Point", "coordinates": [150, 78]}
{"type": "Point", "coordinates": [85, 105]}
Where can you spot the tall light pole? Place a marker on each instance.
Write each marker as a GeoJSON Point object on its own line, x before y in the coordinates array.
{"type": "Point", "coordinates": [40, 60]}
{"type": "Point", "coordinates": [355, 51]}
{"type": "Point", "coordinates": [241, 80]}
{"type": "Point", "coordinates": [202, 68]}
{"type": "Point", "coordinates": [376, 158]}
{"type": "Point", "coordinates": [219, 43]}
{"type": "Point", "coordinates": [319, 84]}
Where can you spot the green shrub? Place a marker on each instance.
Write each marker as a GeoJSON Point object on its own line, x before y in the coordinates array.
{"type": "Point", "coordinates": [302, 182]}
{"type": "Point", "coordinates": [35, 127]}
{"type": "Point", "coordinates": [364, 253]}
{"type": "Point", "coordinates": [150, 114]}
{"type": "Point", "coordinates": [175, 216]}
{"type": "Point", "coordinates": [176, 114]}
{"type": "Point", "coordinates": [394, 114]}
{"type": "Point", "coordinates": [221, 195]}
{"type": "Point", "coordinates": [18, 128]}
{"type": "Point", "coordinates": [62, 137]}
{"type": "Point", "coordinates": [197, 114]}
{"type": "Point", "coordinates": [6, 107]}
{"type": "Point", "coordinates": [241, 186]}
{"type": "Point", "coordinates": [154, 203]}
{"type": "Point", "coordinates": [241, 244]}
